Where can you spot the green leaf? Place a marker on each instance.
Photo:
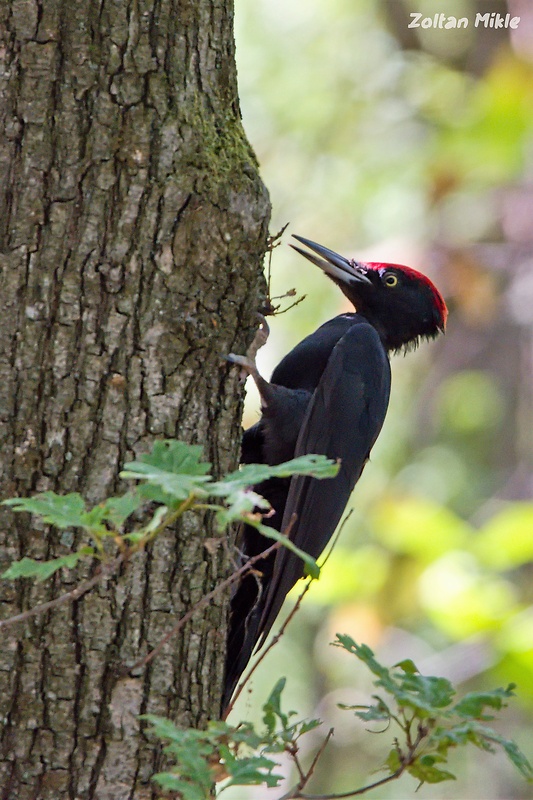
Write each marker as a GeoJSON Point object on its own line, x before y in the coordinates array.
{"type": "Point", "coordinates": [63, 511]}
{"type": "Point", "coordinates": [483, 737]}
{"type": "Point", "coordinates": [366, 655]}
{"type": "Point", "coordinates": [516, 757]}
{"type": "Point", "coordinates": [154, 494]}
{"type": "Point", "coordinates": [426, 694]}
{"type": "Point", "coordinates": [313, 570]}
{"type": "Point", "coordinates": [472, 705]}
{"type": "Point", "coordinates": [376, 713]}
{"type": "Point", "coordinates": [198, 754]}
{"type": "Point", "coordinates": [272, 708]}
{"type": "Point", "coordinates": [245, 733]}
{"type": "Point", "coordinates": [171, 455]}
{"type": "Point", "coordinates": [407, 666]}
{"type": "Point", "coordinates": [250, 771]}
{"type": "Point", "coordinates": [393, 762]}
{"type": "Point", "coordinates": [240, 500]}
{"type": "Point", "coordinates": [425, 772]}
{"type": "Point", "coordinates": [41, 570]}
{"type": "Point", "coordinates": [316, 466]}
{"type": "Point", "coordinates": [192, 749]}
{"type": "Point", "coordinates": [163, 728]}
{"type": "Point", "coordinates": [93, 521]}
{"type": "Point", "coordinates": [118, 509]}
{"type": "Point", "coordinates": [346, 642]}
{"type": "Point", "coordinates": [442, 738]}
{"type": "Point", "coordinates": [240, 504]}
{"type": "Point", "coordinates": [174, 467]}
{"type": "Point", "coordinates": [309, 725]}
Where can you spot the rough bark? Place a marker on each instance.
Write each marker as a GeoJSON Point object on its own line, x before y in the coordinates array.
{"type": "Point", "coordinates": [132, 227]}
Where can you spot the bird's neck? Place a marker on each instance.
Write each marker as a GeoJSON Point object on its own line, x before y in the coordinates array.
{"type": "Point", "coordinates": [391, 338]}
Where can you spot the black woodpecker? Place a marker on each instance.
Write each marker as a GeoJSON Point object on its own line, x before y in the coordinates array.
{"type": "Point", "coordinates": [328, 396]}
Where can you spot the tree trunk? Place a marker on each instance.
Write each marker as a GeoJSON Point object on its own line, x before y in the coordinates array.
{"type": "Point", "coordinates": [132, 228]}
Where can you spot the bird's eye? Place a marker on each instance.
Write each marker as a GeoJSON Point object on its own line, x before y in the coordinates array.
{"type": "Point", "coordinates": [390, 279]}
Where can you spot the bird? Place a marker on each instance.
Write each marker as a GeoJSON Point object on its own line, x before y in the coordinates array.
{"type": "Point", "coordinates": [329, 395]}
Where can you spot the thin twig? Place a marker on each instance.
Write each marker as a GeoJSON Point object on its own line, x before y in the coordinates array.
{"type": "Point", "coordinates": [319, 753]}
{"type": "Point", "coordinates": [406, 761]}
{"type": "Point", "coordinates": [277, 637]}
{"type": "Point", "coordinates": [103, 571]}
{"type": "Point", "coordinates": [205, 600]}
{"type": "Point", "coordinates": [297, 302]}
{"type": "Point", "coordinates": [336, 538]}
{"type": "Point", "coordinates": [342, 795]}
{"type": "Point", "coordinates": [293, 752]}
{"type": "Point", "coordinates": [273, 241]}
{"type": "Point", "coordinates": [306, 776]}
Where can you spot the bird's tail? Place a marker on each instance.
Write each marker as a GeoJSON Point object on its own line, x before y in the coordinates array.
{"type": "Point", "coordinates": [243, 634]}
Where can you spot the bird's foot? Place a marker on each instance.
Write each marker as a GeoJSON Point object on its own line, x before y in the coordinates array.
{"type": "Point", "coordinates": [247, 364]}
{"type": "Point", "coordinates": [249, 367]}
{"type": "Point", "coordinates": [260, 338]}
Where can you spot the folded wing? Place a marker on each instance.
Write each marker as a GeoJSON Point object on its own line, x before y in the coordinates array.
{"type": "Point", "coordinates": [343, 421]}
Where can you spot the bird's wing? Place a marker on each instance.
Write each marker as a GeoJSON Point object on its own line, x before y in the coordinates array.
{"type": "Point", "coordinates": [252, 445]}
{"type": "Point", "coordinates": [343, 421]}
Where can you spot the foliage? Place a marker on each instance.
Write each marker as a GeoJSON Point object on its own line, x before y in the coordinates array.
{"type": "Point", "coordinates": [171, 479]}
{"type": "Point", "coordinates": [419, 141]}
{"type": "Point", "coordinates": [422, 707]}
{"type": "Point", "coordinates": [237, 755]}
{"type": "Point", "coordinates": [430, 721]}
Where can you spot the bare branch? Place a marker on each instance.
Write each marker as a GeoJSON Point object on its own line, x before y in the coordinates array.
{"type": "Point", "coordinates": [283, 628]}
{"type": "Point", "coordinates": [204, 601]}
{"type": "Point", "coordinates": [319, 752]}
{"type": "Point", "coordinates": [306, 776]}
{"type": "Point", "coordinates": [103, 571]}
{"type": "Point", "coordinates": [362, 790]}
{"type": "Point", "coordinates": [290, 293]}
{"type": "Point", "coordinates": [274, 241]}
{"type": "Point", "coordinates": [275, 639]}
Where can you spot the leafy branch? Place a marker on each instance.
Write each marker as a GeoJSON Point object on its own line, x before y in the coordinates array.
{"type": "Point", "coordinates": [423, 708]}
{"type": "Point", "coordinates": [237, 755]}
{"type": "Point", "coordinates": [171, 480]}
{"type": "Point", "coordinates": [430, 721]}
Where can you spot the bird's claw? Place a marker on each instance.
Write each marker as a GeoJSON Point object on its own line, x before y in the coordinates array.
{"type": "Point", "coordinates": [243, 361]}
{"type": "Point", "coordinates": [247, 364]}
{"type": "Point", "coordinates": [260, 338]}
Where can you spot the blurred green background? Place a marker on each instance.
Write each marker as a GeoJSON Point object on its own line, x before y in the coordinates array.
{"type": "Point", "coordinates": [413, 146]}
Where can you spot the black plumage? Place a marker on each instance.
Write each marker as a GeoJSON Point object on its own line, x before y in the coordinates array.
{"type": "Point", "coordinates": [329, 395]}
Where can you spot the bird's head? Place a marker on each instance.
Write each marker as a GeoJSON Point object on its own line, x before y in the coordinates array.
{"type": "Point", "coordinates": [401, 303]}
